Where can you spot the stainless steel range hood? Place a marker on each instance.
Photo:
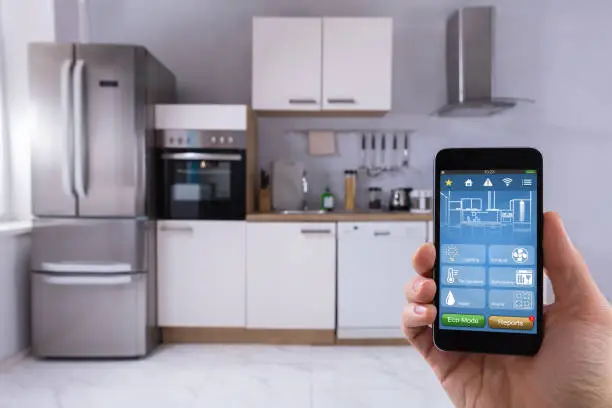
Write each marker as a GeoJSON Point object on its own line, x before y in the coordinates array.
{"type": "Point", "coordinates": [470, 43]}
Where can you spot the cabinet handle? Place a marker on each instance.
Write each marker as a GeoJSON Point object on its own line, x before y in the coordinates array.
{"type": "Point", "coordinates": [302, 101]}
{"type": "Point", "coordinates": [342, 100]}
{"type": "Point", "coordinates": [382, 233]}
{"type": "Point", "coordinates": [316, 231]}
{"type": "Point", "coordinates": [176, 229]}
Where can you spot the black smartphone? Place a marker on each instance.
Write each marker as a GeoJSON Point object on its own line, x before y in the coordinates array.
{"type": "Point", "coordinates": [488, 237]}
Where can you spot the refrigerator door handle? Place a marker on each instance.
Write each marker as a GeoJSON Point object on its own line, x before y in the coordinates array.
{"type": "Point", "coordinates": [75, 267]}
{"type": "Point", "coordinates": [67, 130]}
{"type": "Point", "coordinates": [80, 129]}
{"type": "Point", "coordinates": [88, 280]}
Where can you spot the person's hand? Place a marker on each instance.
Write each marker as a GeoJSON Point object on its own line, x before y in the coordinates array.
{"type": "Point", "coordinates": [574, 365]}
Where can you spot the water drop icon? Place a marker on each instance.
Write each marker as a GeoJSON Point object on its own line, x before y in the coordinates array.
{"type": "Point", "coordinates": [450, 299]}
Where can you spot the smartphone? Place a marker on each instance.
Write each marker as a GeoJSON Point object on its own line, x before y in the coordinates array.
{"type": "Point", "coordinates": [488, 237]}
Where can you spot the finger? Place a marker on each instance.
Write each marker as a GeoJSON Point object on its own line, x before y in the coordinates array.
{"type": "Point", "coordinates": [420, 335]}
{"type": "Point", "coordinates": [424, 259]}
{"type": "Point", "coordinates": [420, 290]}
{"type": "Point", "coordinates": [417, 316]}
{"type": "Point", "coordinates": [569, 275]}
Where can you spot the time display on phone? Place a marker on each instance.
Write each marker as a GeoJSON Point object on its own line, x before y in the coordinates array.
{"type": "Point", "coordinates": [488, 251]}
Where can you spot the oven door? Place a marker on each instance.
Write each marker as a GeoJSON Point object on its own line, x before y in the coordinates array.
{"type": "Point", "coordinates": [203, 184]}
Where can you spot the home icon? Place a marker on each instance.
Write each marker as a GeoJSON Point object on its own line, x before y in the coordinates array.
{"type": "Point", "coordinates": [468, 183]}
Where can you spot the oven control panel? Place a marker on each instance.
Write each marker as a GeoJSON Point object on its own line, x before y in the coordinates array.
{"type": "Point", "coordinates": [186, 139]}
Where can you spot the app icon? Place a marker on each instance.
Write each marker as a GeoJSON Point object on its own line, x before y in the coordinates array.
{"type": "Point", "coordinates": [507, 181]}
{"type": "Point", "coordinates": [520, 255]}
{"type": "Point", "coordinates": [527, 182]}
{"type": "Point", "coordinates": [452, 251]}
{"type": "Point", "coordinates": [449, 183]}
{"type": "Point", "coordinates": [450, 299]}
{"type": "Point", "coordinates": [523, 300]}
{"type": "Point", "coordinates": [524, 277]}
{"type": "Point", "coordinates": [468, 183]}
{"type": "Point", "coordinates": [488, 183]}
{"type": "Point", "coordinates": [451, 276]}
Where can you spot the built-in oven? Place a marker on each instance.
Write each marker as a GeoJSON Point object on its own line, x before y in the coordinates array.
{"type": "Point", "coordinates": [203, 175]}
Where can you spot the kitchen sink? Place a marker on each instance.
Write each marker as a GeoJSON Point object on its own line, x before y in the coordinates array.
{"type": "Point", "coordinates": [289, 212]}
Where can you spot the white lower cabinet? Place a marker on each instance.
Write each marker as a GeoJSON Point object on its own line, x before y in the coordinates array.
{"type": "Point", "coordinates": [201, 273]}
{"type": "Point", "coordinates": [291, 275]}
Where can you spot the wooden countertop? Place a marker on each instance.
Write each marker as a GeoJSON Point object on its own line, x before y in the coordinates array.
{"type": "Point", "coordinates": [339, 217]}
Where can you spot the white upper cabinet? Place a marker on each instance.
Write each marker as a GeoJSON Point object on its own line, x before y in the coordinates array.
{"type": "Point", "coordinates": [287, 63]}
{"type": "Point", "coordinates": [357, 64]}
{"type": "Point", "coordinates": [322, 64]}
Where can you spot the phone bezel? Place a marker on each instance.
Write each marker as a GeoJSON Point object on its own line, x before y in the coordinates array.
{"type": "Point", "coordinates": [482, 159]}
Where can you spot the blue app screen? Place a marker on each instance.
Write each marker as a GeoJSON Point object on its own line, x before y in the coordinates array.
{"type": "Point", "coordinates": [488, 251]}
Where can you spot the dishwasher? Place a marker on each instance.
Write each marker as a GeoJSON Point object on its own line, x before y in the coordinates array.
{"type": "Point", "coordinates": [374, 265]}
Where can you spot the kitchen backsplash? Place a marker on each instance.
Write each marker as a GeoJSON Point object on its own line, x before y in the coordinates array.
{"type": "Point", "coordinates": [277, 143]}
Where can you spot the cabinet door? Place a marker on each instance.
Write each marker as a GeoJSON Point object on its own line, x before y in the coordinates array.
{"type": "Point", "coordinates": [287, 64]}
{"type": "Point", "coordinates": [291, 275]}
{"type": "Point", "coordinates": [202, 273]}
{"type": "Point", "coordinates": [374, 263]}
{"type": "Point", "coordinates": [357, 63]}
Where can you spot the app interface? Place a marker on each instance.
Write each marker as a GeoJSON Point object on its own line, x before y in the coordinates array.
{"type": "Point", "coordinates": [488, 251]}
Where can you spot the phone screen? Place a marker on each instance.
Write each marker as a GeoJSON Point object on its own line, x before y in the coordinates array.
{"type": "Point", "coordinates": [488, 250]}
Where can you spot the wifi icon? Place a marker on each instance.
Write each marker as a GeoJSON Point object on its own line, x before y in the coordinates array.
{"type": "Point", "coordinates": [507, 181]}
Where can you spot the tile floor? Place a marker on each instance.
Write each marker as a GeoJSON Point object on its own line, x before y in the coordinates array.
{"type": "Point", "coordinates": [229, 376]}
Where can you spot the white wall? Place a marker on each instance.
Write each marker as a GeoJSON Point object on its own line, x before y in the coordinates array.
{"type": "Point", "coordinates": [555, 51]}
{"type": "Point", "coordinates": [14, 294]}
{"type": "Point", "coordinates": [23, 21]}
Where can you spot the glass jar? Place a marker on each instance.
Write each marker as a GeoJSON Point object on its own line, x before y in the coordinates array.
{"type": "Point", "coordinates": [375, 198]}
{"type": "Point", "coordinates": [350, 189]}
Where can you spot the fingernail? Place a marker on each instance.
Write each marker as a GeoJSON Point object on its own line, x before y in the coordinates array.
{"type": "Point", "coordinates": [416, 285]}
{"type": "Point", "coordinates": [420, 309]}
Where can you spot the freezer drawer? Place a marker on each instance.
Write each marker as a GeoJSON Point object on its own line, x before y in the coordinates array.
{"type": "Point", "coordinates": [93, 241]}
{"type": "Point", "coordinates": [82, 316]}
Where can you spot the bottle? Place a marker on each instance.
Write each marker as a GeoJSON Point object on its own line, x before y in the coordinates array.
{"type": "Point", "coordinates": [328, 201]}
{"type": "Point", "coordinates": [350, 189]}
{"type": "Point", "coordinates": [375, 198]}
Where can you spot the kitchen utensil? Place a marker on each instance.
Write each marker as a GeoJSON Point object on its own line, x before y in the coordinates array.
{"type": "Point", "coordinates": [421, 201]}
{"type": "Point", "coordinates": [373, 152]}
{"type": "Point", "coordinates": [350, 189]}
{"type": "Point", "coordinates": [265, 201]}
{"type": "Point", "coordinates": [375, 198]}
{"type": "Point", "coordinates": [383, 147]}
{"type": "Point", "coordinates": [374, 170]}
{"type": "Point", "coordinates": [364, 150]}
{"type": "Point", "coordinates": [405, 162]}
{"type": "Point", "coordinates": [394, 158]}
{"type": "Point", "coordinates": [264, 180]}
{"type": "Point", "coordinates": [400, 199]}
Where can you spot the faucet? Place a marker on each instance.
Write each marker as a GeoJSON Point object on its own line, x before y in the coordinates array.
{"type": "Point", "coordinates": [305, 189]}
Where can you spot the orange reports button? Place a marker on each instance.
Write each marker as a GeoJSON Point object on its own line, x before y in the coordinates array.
{"type": "Point", "coordinates": [510, 323]}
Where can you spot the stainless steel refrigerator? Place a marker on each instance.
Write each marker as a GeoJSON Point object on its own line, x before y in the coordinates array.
{"type": "Point", "coordinates": [93, 178]}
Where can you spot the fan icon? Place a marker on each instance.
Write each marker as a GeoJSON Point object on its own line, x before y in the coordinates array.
{"type": "Point", "coordinates": [520, 255]}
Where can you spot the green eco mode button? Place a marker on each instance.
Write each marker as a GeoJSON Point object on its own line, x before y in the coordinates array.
{"type": "Point", "coordinates": [463, 320]}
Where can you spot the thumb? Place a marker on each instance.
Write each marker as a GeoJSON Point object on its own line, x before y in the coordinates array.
{"type": "Point", "coordinates": [569, 275]}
